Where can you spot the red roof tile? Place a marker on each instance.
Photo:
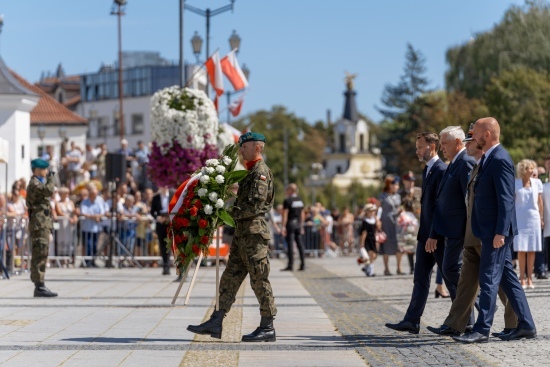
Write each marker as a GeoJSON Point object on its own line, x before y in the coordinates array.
{"type": "Point", "coordinates": [72, 101]}
{"type": "Point", "coordinates": [48, 110]}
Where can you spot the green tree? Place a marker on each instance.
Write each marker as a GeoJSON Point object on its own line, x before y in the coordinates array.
{"type": "Point", "coordinates": [305, 144]}
{"type": "Point", "coordinates": [520, 100]}
{"type": "Point", "coordinates": [402, 104]}
{"type": "Point", "coordinates": [520, 39]}
{"type": "Point", "coordinates": [412, 84]}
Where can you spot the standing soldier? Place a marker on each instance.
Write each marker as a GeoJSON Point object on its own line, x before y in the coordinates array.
{"type": "Point", "coordinates": [249, 248]}
{"type": "Point", "coordinates": [39, 191]}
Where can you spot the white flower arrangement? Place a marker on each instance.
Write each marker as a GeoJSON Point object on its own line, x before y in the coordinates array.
{"type": "Point", "coordinates": [208, 209]}
{"type": "Point", "coordinates": [192, 128]}
{"type": "Point", "coordinates": [202, 192]}
{"type": "Point", "coordinates": [219, 179]}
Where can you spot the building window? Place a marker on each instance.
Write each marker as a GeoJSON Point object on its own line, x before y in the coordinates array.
{"type": "Point", "coordinates": [361, 142]}
{"type": "Point", "coordinates": [137, 124]}
{"type": "Point", "coordinates": [60, 97]}
{"type": "Point", "coordinates": [338, 169]}
{"type": "Point", "coordinates": [342, 145]}
{"type": "Point", "coordinates": [116, 126]}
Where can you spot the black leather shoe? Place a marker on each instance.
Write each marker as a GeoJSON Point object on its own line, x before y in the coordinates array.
{"type": "Point", "coordinates": [264, 333]}
{"type": "Point", "coordinates": [502, 333]}
{"type": "Point", "coordinates": [473, 337]}
{"type": "Point", "coordinates": [542, 276]}
{"type": "Point", "coordinates": [405, 326]}
{"type": "Point", "coordinates": [443, 330]}
{"type": "Point", "coordinates": [41, 291]}
{"type": "Point", "coordinates": [518, 334]}
{"type": "Point", "coordinates": [287, 269]}
{"type": "Point", "coordinates": [469, 329]}
{"type": "Point", "coordinates": [166, 271]}
{"type": "Point", "coordinates": [212, 327]}
{"type": "Point", "coordinates": [302, 268]}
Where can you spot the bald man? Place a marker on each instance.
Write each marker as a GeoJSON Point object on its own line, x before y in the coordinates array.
{"type": "Point", "coordinates": [494, 223]}
{"type": "Point", "coordinates": [293, 220]}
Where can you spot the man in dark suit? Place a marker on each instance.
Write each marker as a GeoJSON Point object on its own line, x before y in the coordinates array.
{"type": "Point", "coordinates": [467, 289]}
{"type": "Point", "coordinates": [159, 210]}
{"type": "Point", "coordinates": [427, 145]}
{"type": "Point", "coordinates": [494, 222]}
{"type": "Point", "coordinates": [450, 210]}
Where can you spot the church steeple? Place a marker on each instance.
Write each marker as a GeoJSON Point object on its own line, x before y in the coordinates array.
{"type": "Point", "coordinates": [350, 108]}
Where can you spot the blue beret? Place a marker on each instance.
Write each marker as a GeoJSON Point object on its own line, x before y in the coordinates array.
{"type": "Point", "coordinates": [250, 136]}
{"type": "Point", "coordinates": [39, 163]}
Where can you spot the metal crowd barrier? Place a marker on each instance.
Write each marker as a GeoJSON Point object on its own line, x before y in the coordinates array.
{"type": "Point", "coordinates": [69, 241]}
{"type": "Point", "coordinates": [14, 239]}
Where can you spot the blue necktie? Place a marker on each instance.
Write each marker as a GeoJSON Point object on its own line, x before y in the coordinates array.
{"type": "Point", "coordinates": [481, 163]}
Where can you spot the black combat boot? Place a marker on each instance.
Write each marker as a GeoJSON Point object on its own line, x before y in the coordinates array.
{"type": "Point", "coordinates": [264, 333]}
{"type": "Point", "coordinates": [213, 326]}
{"type": "Point", "coordinates": [40, 290]}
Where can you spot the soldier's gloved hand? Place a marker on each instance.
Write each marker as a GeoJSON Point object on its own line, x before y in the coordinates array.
{"type": "Point", "coordinates": [51, 173]}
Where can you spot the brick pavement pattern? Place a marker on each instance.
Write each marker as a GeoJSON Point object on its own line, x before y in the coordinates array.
{"type": "Point", "coordinates": [329, 315]}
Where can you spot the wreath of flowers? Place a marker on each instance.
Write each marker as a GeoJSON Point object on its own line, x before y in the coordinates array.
{"type": "Point", "coordinates": [184, 126]}
{"type": "Point", "coordinates": [203, 208]}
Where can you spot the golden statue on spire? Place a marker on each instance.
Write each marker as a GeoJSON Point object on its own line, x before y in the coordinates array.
{"type": "Point", "coordinates": [349, 80]}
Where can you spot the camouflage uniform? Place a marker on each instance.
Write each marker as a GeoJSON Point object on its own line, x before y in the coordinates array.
{"type": "Point", "coordinates": [248, 253]}
{"type": "Point", "coordinates": [40, 224]}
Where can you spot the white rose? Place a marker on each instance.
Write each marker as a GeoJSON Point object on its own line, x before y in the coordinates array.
{"type": "Point", "coordinates": [220, 169]}
{"type": "Point", "coordinates": [219, 179]}
{"type": "Point", "coordinates": [213, 196]}
{"type": "Point", "coordinates": [208, 209]}
{"type": "Point", "coordinates": [220, 204]}
{"type": "Point", "coordinates": [209, 170]}
{"type": "Point", "coordinates": [204, 179]}
{"type": "Point", "coordinates": [202, 192]}
{"type": "Point", "coordinates": [227, 161]}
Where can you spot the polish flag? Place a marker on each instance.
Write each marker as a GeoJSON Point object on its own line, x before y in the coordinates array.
{"type": "Point", "coordinates": [214, 70]}
{"type": "Point", "coordinates": [233, 72]}
{"type": "Point", "coordinates": [235, 106]}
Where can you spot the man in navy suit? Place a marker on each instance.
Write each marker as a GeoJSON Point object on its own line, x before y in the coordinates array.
{"type": "Point", "coordinates": [450, 210]}
{"type": "Point", "coordinates": [494, 222]}
{"type": "Point", "coordinates": [427, 145]}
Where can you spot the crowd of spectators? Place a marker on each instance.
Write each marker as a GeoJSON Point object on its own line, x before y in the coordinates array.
{"type": "Point", "coordinates": [83, 211]}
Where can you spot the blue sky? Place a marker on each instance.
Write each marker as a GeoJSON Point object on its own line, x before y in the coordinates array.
{"type": "Point", "coordinates": [297, 50]}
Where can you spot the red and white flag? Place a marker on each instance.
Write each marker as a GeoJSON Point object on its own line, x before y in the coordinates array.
{"type": "Point", "coordinates": [233, 72]}
{"type": "Point", "coordinates": [236, 105]}
{"type": "Point", "coordinates": [214, 69]}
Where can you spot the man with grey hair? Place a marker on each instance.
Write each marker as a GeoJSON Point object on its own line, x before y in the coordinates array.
{"type": "Point", "coordinates": [449, 220]}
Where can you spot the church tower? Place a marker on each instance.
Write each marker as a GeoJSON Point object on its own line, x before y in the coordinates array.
{"type": "Point", "coordinates": [351, 159]}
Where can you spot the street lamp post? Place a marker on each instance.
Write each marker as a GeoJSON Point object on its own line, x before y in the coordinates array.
{"type": "Point", "coordinates": [118, 9]}
{"type": "Point", "coordinates": [207, 14]}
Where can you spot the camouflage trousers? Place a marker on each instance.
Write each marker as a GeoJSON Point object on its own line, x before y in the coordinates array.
{"type": "Point", "coordinates": [40, 240]}
{"type": "Point", "coordinates": [248, 255]}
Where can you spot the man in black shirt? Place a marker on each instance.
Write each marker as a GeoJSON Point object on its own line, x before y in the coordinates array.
{"type": "Point", "coordinates": [293, 218]}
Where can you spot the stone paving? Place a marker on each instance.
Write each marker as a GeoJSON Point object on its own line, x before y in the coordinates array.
{"type": "Point", "coordinates": [329, 315]}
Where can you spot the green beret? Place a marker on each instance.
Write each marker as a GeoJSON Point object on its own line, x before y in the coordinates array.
{"type": "Point", "coordinates": [39, 163]}
{"type": "Point", "coordinates": [250, 136]}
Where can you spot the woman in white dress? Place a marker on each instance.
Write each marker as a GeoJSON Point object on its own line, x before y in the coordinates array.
{"type": "Point", "coordinates": [529, 219]}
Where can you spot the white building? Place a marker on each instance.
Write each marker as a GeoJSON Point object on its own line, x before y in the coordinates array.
{"type": "Point", "coordinates": [16, 103]}
{"type": "Point", "coordinates": [350, 159]}
{"type": "Point", "coordinates": [100, 102]}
